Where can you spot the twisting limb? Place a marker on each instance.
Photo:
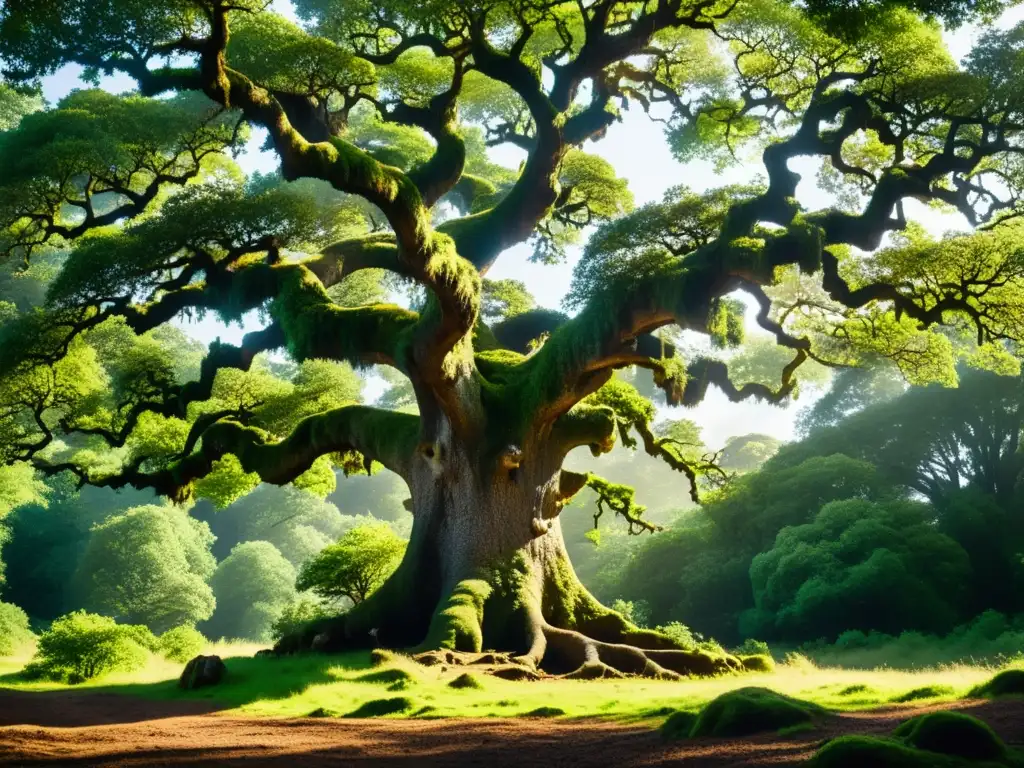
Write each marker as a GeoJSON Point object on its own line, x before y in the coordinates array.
{"type": "Point", "coordinates": [387, 437]}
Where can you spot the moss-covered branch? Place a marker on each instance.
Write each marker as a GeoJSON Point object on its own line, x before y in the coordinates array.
{"type": "Point", "coordinates": [387, 437]}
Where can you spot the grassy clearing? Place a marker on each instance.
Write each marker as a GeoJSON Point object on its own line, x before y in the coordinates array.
{"type": "Point", "coordinates": [335, 686]}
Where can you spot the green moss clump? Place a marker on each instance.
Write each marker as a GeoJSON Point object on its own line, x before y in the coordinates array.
{"type": "Point", "coordinates": [850, 690]}
{"type": "Point", "coordinates": [381, 707]}
{"type": "Point", "coordinates": [466, 680]}
{"type": "Point", "coordinates": [862, 751]}
{"type": "Point", "coordinates": [1009, 682]}
{"type": "Point", "coordinates": [545, 712]}
{"type": "Point", "coordinates": [392, 675]}
{"type": "Point", "coordinates": [757, 663]}
{"type": "Point", "coordinates": [678, 725]}
{"type": "Point", "coordinates": [926, 692]}
{"type": "Point", "coordinates": [752, 710]}
{"type": "Point", "coordinates": [321, 712]}
{"type": "Point", "coordinates": [952, 733]}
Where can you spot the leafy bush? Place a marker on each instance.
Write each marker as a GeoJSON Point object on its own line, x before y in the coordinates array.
{"type": "Point", "coordinates": [14, 631]}
{"type": "Point", "coordinates": [634, 611]}
{"type": "Point", "coordinates": [81, 646]}
{"type": "Point", "coordinates": [752, 647]}
{"type": "Point", "coordinates": [688, 639]}
{"type": "Point", "coordinates": [181, 643]}
{"type": "Point", "coordinates": [296, 616]}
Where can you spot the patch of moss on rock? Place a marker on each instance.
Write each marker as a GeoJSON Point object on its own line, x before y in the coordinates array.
{"type": "Point", "coordinates": [926, 692]}
{"type": "Point", "coordinates": [381, 707]}
{"type": "Point", "coordinates": [466, 680]}
{"type": "Point", "coordinates": [752, 710]}
{"type": "Point", "coordinates": [952, 733]}
{"type": "Point", "coordinates": [1009, 682]}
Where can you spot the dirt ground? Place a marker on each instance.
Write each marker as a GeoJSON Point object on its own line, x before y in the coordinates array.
{"type": "Point", "coordinates": [112, 730]}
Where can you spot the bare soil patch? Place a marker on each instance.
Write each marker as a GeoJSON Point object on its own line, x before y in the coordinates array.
{"type": "Point", "coordinates": [114, 730]}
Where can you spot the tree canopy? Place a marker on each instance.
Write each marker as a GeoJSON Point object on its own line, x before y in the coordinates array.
{"type": "Point", "coordinates": [382, 115]}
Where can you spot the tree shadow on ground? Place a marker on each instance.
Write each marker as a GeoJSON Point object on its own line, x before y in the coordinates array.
{"type": "Point", "coordinates": [247, 680]}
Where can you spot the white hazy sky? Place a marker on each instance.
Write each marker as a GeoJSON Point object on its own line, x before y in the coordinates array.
{"type": "Point", "coordinates": [637, 150]}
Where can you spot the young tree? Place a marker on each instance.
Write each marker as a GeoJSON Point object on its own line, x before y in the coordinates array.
{"type": "Point", "coordinates": [393, 103]}
{"type": "Point", "coordinates": [354, 566]}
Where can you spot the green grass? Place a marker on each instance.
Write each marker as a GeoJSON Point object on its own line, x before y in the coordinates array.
{"type": "Point", "coordinates": [338, 685]}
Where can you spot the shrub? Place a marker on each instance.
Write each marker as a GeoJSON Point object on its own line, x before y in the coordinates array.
{"type": "Point", "coordinates": [752, 647]}
{"type": "Point", "coordinates": [296, 616]}
{"type": "Point", "coordinates": [752, 710]}
{"type": "Point", "coordinates": [181, 643]}
{"type": "Point", "coordinates": [634, 611]}
{"type": "Point", "coordinates": [681, 634]}
{"type": "Point", "coordinates": [14, 631]}
{"type": "Point", "coordinates": [82, 645]}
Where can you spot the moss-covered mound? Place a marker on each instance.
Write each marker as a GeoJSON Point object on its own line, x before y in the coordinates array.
{"type": "Point", "coordinates": [758, 663]}
{"type": "Point", "coordinates": [381, 707]}
{"type": "Point", "coordinates": [935, 740]}
{"type": "Point", "coordinates": [1009, 682]}
{"type": "Point", "coordinates": [545, 712]}
{"type": "Point", "coordinates": [952, 733]}
{"type": "Point", "coordinates": [466, 680]}
{"type": "Point", "coordinates": [388, 675]}
{"type": "Point", "coordinates": [752, 710]}
{"type": "Point", "coordinates": [925, 692]}
{"type": "Point", "coordinates": [679, 725]}
{"type": "Point", "coordinates": [863, 751]}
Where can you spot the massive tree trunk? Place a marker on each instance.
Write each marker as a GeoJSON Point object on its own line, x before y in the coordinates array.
{"type": "Point", "coordinates": [486, 570]}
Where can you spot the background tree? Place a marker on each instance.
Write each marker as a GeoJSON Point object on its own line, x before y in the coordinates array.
{"type": "Point", "coordinates": [380, 117]}
{"type": "Point", "coordinates": [252, 586]}
{"type": "Point", "coordinates": [884, 563]}
{"type": "Point", "coordinates": [354, 566]}
{"type": "Point", "coordinates": [149, 565]}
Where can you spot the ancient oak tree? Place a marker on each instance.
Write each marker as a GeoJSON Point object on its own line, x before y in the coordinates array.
{"type": "Point", "coordinates": [381, 115]}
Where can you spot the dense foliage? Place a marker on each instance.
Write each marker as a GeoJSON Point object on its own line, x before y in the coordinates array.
{"type": "Point", "coordinates": [371, 246]}
{"type": "Point", "coordinates": [815, 528]}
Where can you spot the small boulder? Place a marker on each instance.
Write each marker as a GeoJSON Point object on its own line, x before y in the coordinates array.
{"type": "Point", "coordinates": [201, 672]}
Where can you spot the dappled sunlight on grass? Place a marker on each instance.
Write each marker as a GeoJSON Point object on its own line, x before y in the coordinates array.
{"type": "Point", "coordinates": [334, 686]}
